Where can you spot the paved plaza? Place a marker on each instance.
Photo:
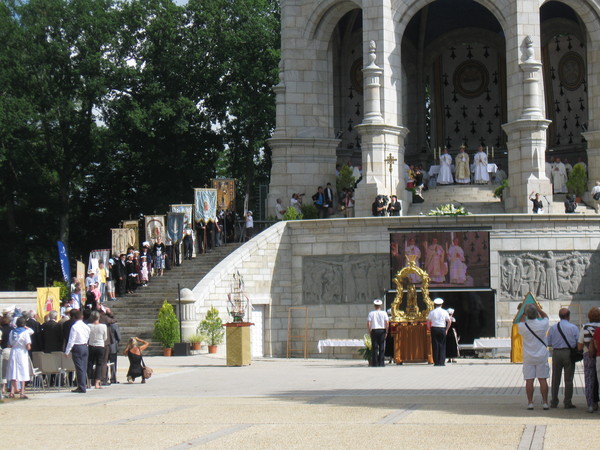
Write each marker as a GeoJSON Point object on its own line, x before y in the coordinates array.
{"type": "Point", "coordinates": [197, 401]}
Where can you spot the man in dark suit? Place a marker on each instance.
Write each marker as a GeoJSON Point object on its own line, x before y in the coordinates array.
{"type": "Point", "coordinates": [328, 200]}
{"type": "Point", "coordinates": [119, 274]}
{"type": "Point", "coordinates": [51, 334]}
{"type": "Point", "coordinates": [35, 326]}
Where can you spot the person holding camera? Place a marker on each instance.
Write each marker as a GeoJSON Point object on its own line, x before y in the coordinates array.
{"type": "Point", "coordinates": [533, 327]}
{"type": "Point", "coordinates": [378, 207]}
{"type": "Point", "coordinates": [570, 204]}
{"type": "Point", "coordinates": [394, 207]}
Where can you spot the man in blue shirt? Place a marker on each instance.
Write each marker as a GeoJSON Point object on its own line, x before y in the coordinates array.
{"type": "Point", "coordinates": [561, 344]}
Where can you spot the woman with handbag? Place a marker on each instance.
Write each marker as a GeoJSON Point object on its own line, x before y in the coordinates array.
{"type": "Point", "coordinates": [134, 352]}
{"type": "Point", "coordinates": [96, 343]}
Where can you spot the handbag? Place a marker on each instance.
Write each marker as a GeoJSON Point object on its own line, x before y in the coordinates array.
{"type": "Point", "coordinates": [576, 355]}
{"type": "Point", "coordinates": [146, 371]}
{"type": "Point", "coordinates": [597, 196]}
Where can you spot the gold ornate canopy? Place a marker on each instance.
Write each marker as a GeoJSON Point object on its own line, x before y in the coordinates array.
{"type": "Point", "coordinates": [412, 312]}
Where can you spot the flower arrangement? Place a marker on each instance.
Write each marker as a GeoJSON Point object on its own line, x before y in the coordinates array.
{"type": "Point", "coordinates": [449, 210]}
{"type": "Point", "coordinates": [367, 351]}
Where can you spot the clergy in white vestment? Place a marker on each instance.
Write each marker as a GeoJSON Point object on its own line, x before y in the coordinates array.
{"type": "Point", "coordinates": [500, 175]}
{"type": "Point", "coordinates": [559, 177]}
{"type": "Point", "coordinates": [435, 262]}
{"type": "Point", "coordinates": [445, 175]}
{"type": "Point", "coordinates": [462, 172]}
{"type": "Point", "coordinates": [481, 173]}
{"type": "Point", "coordinates": [456, 260]}
{"type": "Point", "coordinates": [410, 249]}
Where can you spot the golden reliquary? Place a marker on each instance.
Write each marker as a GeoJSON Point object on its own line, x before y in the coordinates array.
{"type": "Point", "coordinates": [403, 280]}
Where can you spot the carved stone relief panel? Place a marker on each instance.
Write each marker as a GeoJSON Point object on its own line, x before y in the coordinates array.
{"type": "Point", "coordinates": [344, 279]}
{"type": "Point", "coordinates": [549, 275]}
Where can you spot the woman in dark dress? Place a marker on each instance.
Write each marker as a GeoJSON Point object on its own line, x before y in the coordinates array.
{"type": "Point", "coordinates": [538, 206]}
{"type": "Point", "coordinates": [452, 339]}
{"type": "Point", "coordinates": [134, 353]}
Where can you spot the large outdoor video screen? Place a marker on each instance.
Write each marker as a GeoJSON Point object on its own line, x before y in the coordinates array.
{"type": "Point", "coordinates": [453, 259]}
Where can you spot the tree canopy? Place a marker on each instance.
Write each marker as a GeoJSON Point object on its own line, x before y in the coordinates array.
{"type": "Point", "coordinates": [110, 109]}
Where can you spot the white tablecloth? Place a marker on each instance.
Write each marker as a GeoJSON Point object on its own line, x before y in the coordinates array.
{"type": "Point", "coordinates": [434, 170]}
{"type": "Point", "coordinates": [491, 343]}
{"type": "Point", "coordinates": [339, 343]}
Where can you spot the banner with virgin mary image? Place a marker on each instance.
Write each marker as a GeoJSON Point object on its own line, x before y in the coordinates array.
{"type": "Point", "coordinates": [188, 214]}
{"type": "Point", "coordinates": [205, 205]}
{"type": "Point", "coordinates": [155, 228]}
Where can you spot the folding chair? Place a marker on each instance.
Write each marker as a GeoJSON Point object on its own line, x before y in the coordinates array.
{"type": "Point", "coordinates": [37, 378]}
{"type": "Point", "coordinates": [49, 367]}
{"type": "Point", "coordinates": [66, 367]}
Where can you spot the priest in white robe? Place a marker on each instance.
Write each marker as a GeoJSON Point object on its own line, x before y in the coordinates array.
{"type": "Point", "coordinates": [559, 177]}
{"type": "Point", "coordinates": [481, 175]}
{"type": "Point", "coordinates": [463, 171]}
{"type": "Point", "coordinates": [445, 175]}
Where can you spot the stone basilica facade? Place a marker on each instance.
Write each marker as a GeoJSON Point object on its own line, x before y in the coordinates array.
{"type": "Point", "coordinates": [369, 80]}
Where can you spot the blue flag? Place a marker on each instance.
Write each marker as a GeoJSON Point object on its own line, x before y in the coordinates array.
{"type": "Point", "coordinates": [64, 262]}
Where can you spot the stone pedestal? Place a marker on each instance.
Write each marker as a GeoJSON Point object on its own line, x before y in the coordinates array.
{"type": "Point", "coordinates": [378, 143]}
{"type": "Point", "coordinates": [238, 344]}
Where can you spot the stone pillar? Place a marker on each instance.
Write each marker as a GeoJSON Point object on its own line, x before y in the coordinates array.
{"type": "Point", "coordinates": [187, 314]}
{"type": "Point", "coordinates": [527, 140]}
{"type": "Point", "coordinates": [379, 142]}
{"type": "Point", "coordinates": [593, 155]}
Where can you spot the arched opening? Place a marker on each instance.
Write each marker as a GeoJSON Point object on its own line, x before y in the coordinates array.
{"type": "Point", "coordinates": [453, 59]}
{"type": "Point", "coordinates": [564, 57]}
{"type": "Point", "coordinates": [348, 85]}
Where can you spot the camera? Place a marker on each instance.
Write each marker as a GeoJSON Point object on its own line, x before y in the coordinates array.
{"type": "Point", "coordinates": [383, 199]}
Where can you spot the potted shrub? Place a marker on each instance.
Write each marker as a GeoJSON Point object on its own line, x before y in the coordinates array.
{"type": "Point", "coordinates": [212, 327]}
{"type": "Point", "coordinates": [367, 351]}
{"type": "Point", "coordinates": [166, 328]}
{"type": "Point", "coordinates": [196, 340]}
{"type": "Point", "coordinates": [577, 182]}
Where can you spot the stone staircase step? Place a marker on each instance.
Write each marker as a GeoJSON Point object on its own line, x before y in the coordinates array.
{"type": "Point", "coordinates": [137, 312]}
{"type": "Point", "coordinates": [477, 199]}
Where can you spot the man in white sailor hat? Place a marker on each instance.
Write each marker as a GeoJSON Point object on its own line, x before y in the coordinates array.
{"type": "Point", "coordinates": [378, 324]}
{"type": "Point", "coordinates": [439, 324]}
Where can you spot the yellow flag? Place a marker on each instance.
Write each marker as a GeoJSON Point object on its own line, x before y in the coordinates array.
{"type": "Point", "coordinates": [48, 299]}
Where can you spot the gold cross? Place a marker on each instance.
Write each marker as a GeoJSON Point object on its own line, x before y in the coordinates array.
{"type": "Point", "coordinates": [390, 160]}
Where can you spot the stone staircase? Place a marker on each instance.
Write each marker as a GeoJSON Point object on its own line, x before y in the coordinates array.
{"type": "Point", "coordinates": [477, 199]}
{"type": "Point", "coordinates": [137, 312]}
{"type": "Point", "coordinates": [582, 208]}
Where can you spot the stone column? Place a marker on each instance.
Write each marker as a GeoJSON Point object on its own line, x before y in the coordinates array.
{"type": "Point", "coordinates": [187, 315]}
{"type": "Point", "coordinates": [593, 155]}
{"type": "Point", "coordinates": [379, 142]}
{"type": "Point", "coordinates": [527, 140]}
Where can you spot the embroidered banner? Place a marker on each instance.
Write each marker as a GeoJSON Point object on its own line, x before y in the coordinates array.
{"type": "Point", "coordinates": [205, 205]}
{"type": "Point", "coordinates": [175, 224]}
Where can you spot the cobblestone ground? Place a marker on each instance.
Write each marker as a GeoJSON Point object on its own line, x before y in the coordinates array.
{"type": "Point", "coordinates": [197, 401]}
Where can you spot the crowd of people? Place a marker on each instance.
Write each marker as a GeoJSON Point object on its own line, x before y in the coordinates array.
{"type": "Point", "coordinates": [569, 344]}
{"type": "Point", "coordinates": [89, 336]}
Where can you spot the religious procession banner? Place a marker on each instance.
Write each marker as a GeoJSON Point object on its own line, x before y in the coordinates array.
{"type": "Point", "coordinates": [122, 239]}
{"type": "Point", "coordinates": [155, 228]}
{"type": "Point", "coordinates": [81, 274]}
{"type": "Point", "coordinates": [205, 205]}
{"type": "Point", "coordinates": [188, 214]}
{"type": "Point", "coordinates": [48, 299]}
{"type": "Point", "coordinates": [64, 262]}
{"type": "Point", "coordinates": [135, 226]}
{"type": "Point", "coordinates": [225, 193]}
{"type": "Point", "coordinates": [175, 224]}
{"type": "Point", "coordinates": [516, 340]}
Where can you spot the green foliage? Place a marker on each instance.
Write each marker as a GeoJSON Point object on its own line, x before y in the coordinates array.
{"type": "Point", "coordinates": [309, 211]}
{"type": "Point", "coordinates": [197, 338]}
{"type": "Point", "coordinates": [64, 289]}
{"type": "Point", "coordinates": [344, 179]}
{"type": "Point", "coordinates": [577, 182]}
{"type": "Point", "coordinates": [112, 109]}
{"type": "Point", "coordinates": [212, 327]}
{"type": "Point", "coordinates": [449, 210]}
{"type": "Point", "coordinates": [292, 214]}
{"type": "Point", "coordinates": [166, 326]}
{"type": "Point", "coordinates": [498, 192]}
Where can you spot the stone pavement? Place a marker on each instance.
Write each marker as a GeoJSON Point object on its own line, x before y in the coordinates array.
{"type": "Point", "coordinates": [197, 401]}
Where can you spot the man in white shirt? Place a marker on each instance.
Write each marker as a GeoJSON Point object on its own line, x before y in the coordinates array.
{"type": "Point", "coordinates": [439, 324]}
{"type": "Point", "coordinates": [596, 193]}
{"type": "Point", "coordinates": [378, 324]}
{"type": "Point", "coordinates": [78, 345]}
{"type": "Point", "coordinates": [561, 356]}
{"type": "Point", "coordinates": [533, 328]}
{"type": "Point", "coordinates": [279, 209]}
